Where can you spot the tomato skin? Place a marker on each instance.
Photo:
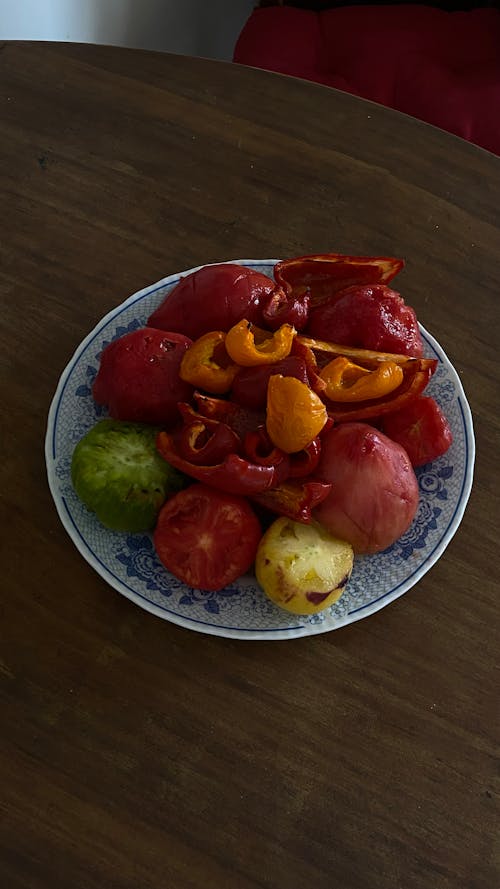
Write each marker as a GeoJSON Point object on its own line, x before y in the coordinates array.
{"type": "Point", "coordinates": [207, 538]}
{"type": "Point", "coordinates": [374, 495]}
{"type": "Point", "coordinates": [421, 429]}
{"type": "Point", "coordinates": [138, 378]}
{"type": "Point", "coordinates": [370, 317]}
{"type": "Point", "coordinates": [214, 298]}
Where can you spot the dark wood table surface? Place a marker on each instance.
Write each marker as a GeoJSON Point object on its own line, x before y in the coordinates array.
{"type": "Point", "coordinates": [137, 754]}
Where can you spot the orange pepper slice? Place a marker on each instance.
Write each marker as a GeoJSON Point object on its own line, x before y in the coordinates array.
{"type": "Point", "coordinates": [249, 346]}
{"type": "Point", "coordinates": [346, 381]}
{"type": "Point", "coordinates": [295, 414]}
{"type": "Point", "coordinates": [206, 364]}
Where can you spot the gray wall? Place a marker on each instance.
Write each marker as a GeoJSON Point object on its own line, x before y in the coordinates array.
{"type": "Point", "coordinates": [194, 27]}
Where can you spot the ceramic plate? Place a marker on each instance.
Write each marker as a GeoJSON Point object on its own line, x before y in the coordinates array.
{"type": "Point", "coordinates": [129, 564]}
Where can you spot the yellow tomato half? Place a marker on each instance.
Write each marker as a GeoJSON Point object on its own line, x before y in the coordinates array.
{"type": "Point", "coordinates": [302, 568]}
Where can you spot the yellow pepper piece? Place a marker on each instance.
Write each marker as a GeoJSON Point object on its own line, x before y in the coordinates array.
{"type": "Point", "coordinates": [347, 382]}
{"type": "Point", "coordinates": [206, 364]}
{"type": "Point", "coordinates": [295, 414]}
{"type": "Point", "coordinates": [250, 346]}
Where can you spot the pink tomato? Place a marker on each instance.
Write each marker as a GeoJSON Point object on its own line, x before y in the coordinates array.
{"type": "Point", "coordinates": [374, 495]}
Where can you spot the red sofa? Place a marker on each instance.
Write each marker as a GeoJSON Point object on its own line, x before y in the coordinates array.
{"type": "Point", "coordinates": [438, 65]}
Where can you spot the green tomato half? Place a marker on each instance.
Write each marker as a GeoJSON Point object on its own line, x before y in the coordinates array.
{"type": "Point", "coordinates": [119, 475]}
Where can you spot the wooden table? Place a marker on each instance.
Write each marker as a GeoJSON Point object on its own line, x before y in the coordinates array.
{"type": "Point", "coordinates": [136, 753]}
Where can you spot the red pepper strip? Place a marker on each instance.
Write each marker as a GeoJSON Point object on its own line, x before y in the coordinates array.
{"type": "Point", "coordinates": [239, 418]}
{"type": "Point", "coordinates": [416, 375]}
{"type": "Point", "coordinates": [326, 274]}
{"type": "Point", "coordinates": [259, 448]}
{"type": "Point", "coordinates": [301, 349]}
{"type": "Point", "coordinates": [304, 462]}
{"type": "Point", "coordinates": [234, 475]}
{"type": "Point", "coordinates": [206, 442]}
{"type": "Point", "coordinates": [215, 408]}
{"type": "Point", "coordinates": [295, 500]}
{"type": "Point", "coordinates": [284, 306]}
{"type": "Point", "coordinates": [189, 413]}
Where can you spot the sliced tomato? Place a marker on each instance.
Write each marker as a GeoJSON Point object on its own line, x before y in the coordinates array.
{"type": "Point", "coordinates": [207, 538]}
{"type": "Point", "coordinates": [421, 429]}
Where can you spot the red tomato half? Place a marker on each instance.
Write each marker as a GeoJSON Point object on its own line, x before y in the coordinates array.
{"type": "Point", "coordinates": [207, 538]}
{"type": "Point", "coordinates": [421, 429]}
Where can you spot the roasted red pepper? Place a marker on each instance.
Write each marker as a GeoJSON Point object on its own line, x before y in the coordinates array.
{"type": "Point", "coordinates": [258, 447]}
{"type": "Point", "coordinates": [235, 475]}
{"type": "Point", "coordinates": [416, 375]}
{"type": "Point", "coordinates": [250, 384]}
{"type": "Point", "coordinates": [215, 408]}
{"type": "Point", "coordinates": [305, 462]}
{"type": "Point", "coordinates": [205, 442]}
{"type": "Point", "coordinates": [325, 274]}
{"type": "Point", "coordinates": [286, 306]}
{"type": "Point", "coordinates": [239, 418]}
{"type": "Point", "coordinates": [294, 499]}
{"type": "Point", "coordinates": [302, 350]}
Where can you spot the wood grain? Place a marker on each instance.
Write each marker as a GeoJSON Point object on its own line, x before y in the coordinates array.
{"type": "Point", "coordinates": [137, 754]}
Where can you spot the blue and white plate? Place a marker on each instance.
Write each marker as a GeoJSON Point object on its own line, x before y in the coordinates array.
{"type": "Point", "coordinates": [129, 564]}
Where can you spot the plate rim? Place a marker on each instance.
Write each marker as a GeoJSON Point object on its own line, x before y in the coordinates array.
{"type": "Point", "coordinates": [302, 630]}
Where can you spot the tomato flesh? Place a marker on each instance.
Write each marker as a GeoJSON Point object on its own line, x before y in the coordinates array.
{"type": "Point", "coordinates": [207, 538]}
